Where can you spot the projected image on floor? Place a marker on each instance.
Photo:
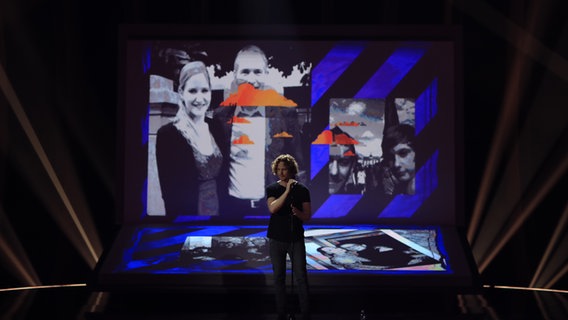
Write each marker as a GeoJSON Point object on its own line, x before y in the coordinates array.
{"type": "Point", "coordinates": [245, 249]}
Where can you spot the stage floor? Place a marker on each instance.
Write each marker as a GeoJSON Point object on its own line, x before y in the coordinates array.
{"type": "Point", "coordinates": [80, 303]}
{"type": "Point", "coordinates": [226, 257]}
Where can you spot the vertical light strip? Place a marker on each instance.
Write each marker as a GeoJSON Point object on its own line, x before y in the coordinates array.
{"type": "Point", "coordinates": [525, 43]}
{"type": "Point", "coordinates": [528, 45]}
{"type": "Point", "coordinates": [504, 128]}
{"type": "Point", "coordinates": [558, 232]}
{"type": "Point", "coordinates": [16, 106]}
{"type": "Point", "coordinates": [14, 260]}
{"type": "Point", "coordinates": [557, 277]}
{"type": "Point", "coordinates": [524, 209]}
{"type": "Point", "coordinates": [14, 253]}
{"type": "Point", "coordinates": [521, 39]}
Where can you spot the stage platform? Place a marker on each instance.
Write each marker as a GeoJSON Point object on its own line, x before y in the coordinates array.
{"type": "Point", "coordinates": [223, 258]}
{"type": "Point", "coordinates": [80, 303]}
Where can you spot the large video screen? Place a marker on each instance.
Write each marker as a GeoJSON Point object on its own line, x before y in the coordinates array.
{"type": "Point", "coordinates": [370, 119]}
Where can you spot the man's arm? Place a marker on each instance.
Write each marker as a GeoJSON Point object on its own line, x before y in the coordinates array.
{"type": "Point", "coordinates": [275, 204]}
{"type": "Point", "coordinates": [305, 214]}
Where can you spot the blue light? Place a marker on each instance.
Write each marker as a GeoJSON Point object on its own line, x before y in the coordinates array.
{"type": "Point", "coordinates": [426, 106]}
{"type": "Point", "coordinates": [332, 66]}
{"type": "Point", "coordinates": [391, 72]}
{"type": "Point", "coordinates": [191, 218]}
{"type": "Point", "coordinates": [337, 205]}
{"type": "Point", "coordinates": [319, 158]}
{"type": "Point", "coordinates": [147, 60]}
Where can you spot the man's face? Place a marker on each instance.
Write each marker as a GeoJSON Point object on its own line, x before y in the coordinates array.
{"type": "Point", "coordinates": [404, 166]}
{"type": "Point", "coordinates": [282, 171]}
{"type": "Point", "coordinates": [251, 68]}
{"type": "Point", "coordinates": [340, 168]}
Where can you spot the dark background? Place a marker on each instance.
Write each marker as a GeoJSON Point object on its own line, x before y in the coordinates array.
{"type": "Point", "coordinates": [60, 58]}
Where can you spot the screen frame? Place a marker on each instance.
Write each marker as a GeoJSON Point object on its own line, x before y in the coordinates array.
{"type": "Point", "coordinates": [456, 243]}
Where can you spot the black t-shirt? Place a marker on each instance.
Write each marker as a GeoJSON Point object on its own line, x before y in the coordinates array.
{"type": "Point", "coordinates": [283, 226]}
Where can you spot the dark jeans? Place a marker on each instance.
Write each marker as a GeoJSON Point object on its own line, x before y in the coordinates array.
{"type": "Point", "coordinates": [297, 252]}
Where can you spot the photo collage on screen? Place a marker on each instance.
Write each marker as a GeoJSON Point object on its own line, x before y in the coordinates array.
{"type": "Point", "coordinates": [219, 112]}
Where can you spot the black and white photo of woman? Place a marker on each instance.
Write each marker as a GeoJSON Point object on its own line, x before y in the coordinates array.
{"type": "Point", "coordinates": [188, 150]}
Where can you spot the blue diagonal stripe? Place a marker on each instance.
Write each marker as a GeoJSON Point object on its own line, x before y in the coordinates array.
{"type": "Point", "coordinates": [337, 205]}
{"type": "Point", "coordinates": [319, 158]}
{"type": "Point", "coordinates": [391, 72]}
{"type": "Point", "coordinates": [426, 106]}
{"type": "Point", "coordinates": [332, 66]}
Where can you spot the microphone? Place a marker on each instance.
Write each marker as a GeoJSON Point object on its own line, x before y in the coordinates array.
{"type": "Point", "coordinates": [291, 193]}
